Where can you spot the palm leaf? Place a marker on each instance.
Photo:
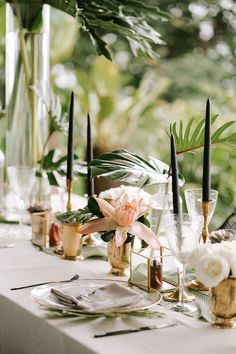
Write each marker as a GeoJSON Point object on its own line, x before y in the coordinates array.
{"type": "Point", "coordinates": [193, 137]}
{"type": "Point", "coordinates": [122, 165]}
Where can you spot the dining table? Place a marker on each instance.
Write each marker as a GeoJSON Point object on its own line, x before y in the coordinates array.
{"type": "Point", "coordinates": [28, 328]}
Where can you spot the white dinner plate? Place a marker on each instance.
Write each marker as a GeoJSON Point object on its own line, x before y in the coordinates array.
{"type": "Point", "coordinates": [43, 296]}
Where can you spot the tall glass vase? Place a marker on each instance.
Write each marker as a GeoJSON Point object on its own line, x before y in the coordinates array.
{"type": "Point", "coordinates": [27, 66]}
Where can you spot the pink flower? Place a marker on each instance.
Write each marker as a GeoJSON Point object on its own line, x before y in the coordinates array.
{"type": "Point", "coordinates": [122, 217]}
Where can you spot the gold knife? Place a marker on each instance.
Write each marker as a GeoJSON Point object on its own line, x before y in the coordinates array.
{"type": "Point", "coordinates": [133, 330]}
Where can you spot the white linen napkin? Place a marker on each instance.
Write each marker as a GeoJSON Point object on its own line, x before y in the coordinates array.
{"type": "Point", "coordinates": [104, 298]}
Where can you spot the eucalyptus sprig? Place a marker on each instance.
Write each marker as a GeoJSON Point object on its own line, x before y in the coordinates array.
{"type": "Point", "coordinates": [191, 137]}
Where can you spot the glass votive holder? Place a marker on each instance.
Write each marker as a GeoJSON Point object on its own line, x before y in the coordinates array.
{"type": "Point", "coordinates": [40, 222]}
{"type": "Point", "coordinates": [147, 267]}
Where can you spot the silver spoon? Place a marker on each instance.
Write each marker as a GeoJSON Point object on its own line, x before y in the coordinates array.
{"type": "Point", "coordinates": [75, 277]}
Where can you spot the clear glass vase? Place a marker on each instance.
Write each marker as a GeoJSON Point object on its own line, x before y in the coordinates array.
{"type": "Point", "coordinates": [160, 205]}
{"type": "Point", "coordinates": [27, 65]}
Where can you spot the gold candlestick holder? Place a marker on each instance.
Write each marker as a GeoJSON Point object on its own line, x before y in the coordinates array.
{"type": "Point", "coordinates": [205, 213]}
{"type": "Point", "coordinates": [196, 284]}
{"type": "Point", "coordinates": [69, 187]}
{"type": "Point", "coordinates": [174, 296]}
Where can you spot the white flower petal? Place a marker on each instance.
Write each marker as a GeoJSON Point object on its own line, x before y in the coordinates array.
{"type": "Point", "coordinates": [212, 269]}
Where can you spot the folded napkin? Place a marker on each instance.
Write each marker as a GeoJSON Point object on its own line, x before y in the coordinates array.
{"type": "Point", "coordinates": [104, 298]}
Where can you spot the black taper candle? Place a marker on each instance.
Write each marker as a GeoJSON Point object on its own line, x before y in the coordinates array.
{"type": "Point", "coordinates": [206, 180]}
{"type": "Point", "coordinates": [90, 181]}
{"type": "Point", "coordinates": [69, 171]}
{"type": "Point", "coordinates": [175, 183]}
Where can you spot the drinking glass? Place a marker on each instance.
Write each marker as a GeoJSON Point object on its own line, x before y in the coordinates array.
{"type": "Point", "coordinates": [193, 198]}
{"type": "Point", "coordinates": [21, 181]}
{"type": "Point", "coordinates": [183, 234]}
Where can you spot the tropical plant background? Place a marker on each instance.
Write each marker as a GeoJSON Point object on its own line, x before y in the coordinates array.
{"type": "Point", "coordinates": [132, 101]}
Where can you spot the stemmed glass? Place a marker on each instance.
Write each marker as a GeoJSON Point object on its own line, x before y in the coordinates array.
{"type": "Point", "coordinates": [193, 198]}
{"type": "Point", "coordinates": [21, 181]}
{"type": "Point", "coordinates": [183, 234]}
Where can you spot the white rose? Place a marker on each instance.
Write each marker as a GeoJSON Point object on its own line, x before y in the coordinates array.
{"type": "Point", "coordinates": [227, 249]}
{"type": "Point", "coordinates": [112, 193]}
{"type": "Point", "coordinates": [195, 256]}
{"type": "Point", "coordinates": [132, 192]}
{"type": "Point", "coordinates": [233, 266]}
{"type": "Point", "coordinates": [212, 269]}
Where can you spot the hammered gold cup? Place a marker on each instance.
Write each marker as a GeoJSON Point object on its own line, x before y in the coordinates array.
{"type": "Point", "coordinates": [223, 304]}
{"type": "Point", "coordinates": [72, 242]}
{"type": "Point", "coordinates": [119, 258]}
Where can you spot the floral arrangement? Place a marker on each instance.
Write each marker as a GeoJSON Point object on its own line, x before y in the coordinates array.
{"type": "Point", "coordinates": [214, 262]}
{"type": "Point", "coordinates": [120, 214]}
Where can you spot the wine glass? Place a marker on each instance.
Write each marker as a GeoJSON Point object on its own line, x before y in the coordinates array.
{"type": "Point", "coordinates": [21, 181]}
{"type": "Point", "coordinates": [183, 234]}
{"type": "Point", "coordinates": [193, 198]}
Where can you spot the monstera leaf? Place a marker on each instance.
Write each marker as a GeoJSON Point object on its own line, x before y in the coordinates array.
{"type": "Point", "coordinates": [130, 19]}
{"type": "Point", "coordinates": [54, 167]}
{"type": "Point", "coordinates": [122, 165]}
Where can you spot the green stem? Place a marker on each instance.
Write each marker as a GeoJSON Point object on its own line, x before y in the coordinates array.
{"type": "Point", "coordinates": [33, 99]}
{"type": "Point", "coordinates": [23, 48]}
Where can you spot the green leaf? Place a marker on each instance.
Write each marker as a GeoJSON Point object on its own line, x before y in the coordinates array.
{"type": "Point", "coordinates": [217, 134]}
{"type": "Point", "coordinates": [144, 244]}
{"type": "Point", "coordinates": [52, 179]}
{"type": "Point", "coordinates": [144, 221]}
{"type": "Point", "coordinates": [187, 132]}
{"type": "Point", "coordinates": [125, 166]}
{"type": "Point", "coordinates": [142, 313]}
{"type": "Point", "coordinates": [130, 19]}
{"type": "Point", "coordinates": [94, 207]}
{"type": "Point", "coordinates": [191, 138]}
{"type": "Point", "coordinates": [100, 45]}
{"type": "Point", "coordinates": [47, 161]}
{"type": "Point", "coordinates": [107, 236]}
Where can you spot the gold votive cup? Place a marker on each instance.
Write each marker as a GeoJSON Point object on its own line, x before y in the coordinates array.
{"type": "Point", "coordinates": [72, 242]}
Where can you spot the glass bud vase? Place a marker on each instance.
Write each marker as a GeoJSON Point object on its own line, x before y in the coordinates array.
{"type": "Point", "coordinates": [160, 205]}
{"type": "Point", "coordinates": [41, 193]}
{"type": "Point", "coordinates": [27, 66]}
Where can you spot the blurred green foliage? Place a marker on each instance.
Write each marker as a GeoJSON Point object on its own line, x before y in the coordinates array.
{"type": "Point", "coordinates": [132, 101]}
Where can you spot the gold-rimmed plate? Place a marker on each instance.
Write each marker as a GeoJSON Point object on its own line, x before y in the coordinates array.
{"type": "Point", "coordinates": [43, 296]}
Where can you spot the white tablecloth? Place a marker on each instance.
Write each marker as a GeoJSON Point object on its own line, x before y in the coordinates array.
{"type": "Point", "coordinates": [25, 329]}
